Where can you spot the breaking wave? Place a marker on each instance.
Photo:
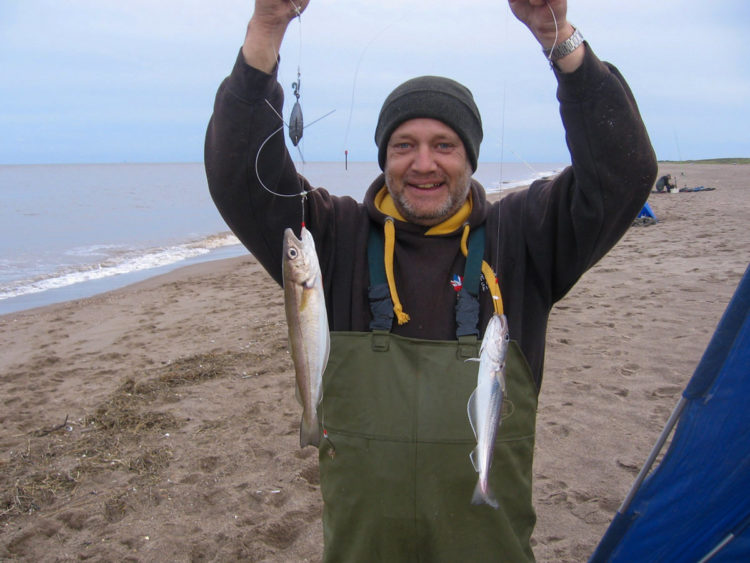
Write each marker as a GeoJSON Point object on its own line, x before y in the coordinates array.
{"type": "Point", "coordinates": [112, 260]}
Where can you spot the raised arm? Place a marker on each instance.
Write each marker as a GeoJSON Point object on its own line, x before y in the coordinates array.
{"type": "Point", "coordinates": [245, 154]}
{"type": "Point", "coordinates": [571, 221]}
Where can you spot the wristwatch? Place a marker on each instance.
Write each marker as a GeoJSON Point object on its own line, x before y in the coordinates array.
{"type": "Point", "coordinates": [565, 48]}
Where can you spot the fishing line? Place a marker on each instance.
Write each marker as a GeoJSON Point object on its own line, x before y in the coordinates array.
{"type": "Point", "coordinates": [296, 88]}
{"type": "Point", "coordinates": [257, 157]}
{"type": "Point", "coordinates": [502, 120]}
{"type": "Point", "coordinates": [536, 173]}
{"type": "Point", "coordinates": [299, 19]}
{"type": "Point", "coordinates": [554, 19]}
{"type": "Point", "coordinates": [295, 124]}
{"type": "Point", "coordinates": [302, 195]}
{"type": "Point", "coordinates": [502, 156]}
{"type": "Point", "coordinates": [354, 86]}
{"type": "Point", "coordinates": [502, 137]}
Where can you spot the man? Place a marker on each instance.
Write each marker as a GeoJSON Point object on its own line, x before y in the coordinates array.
{"type": "Point", "coordinates": [395, 473]}
{"type": "Point", "coordinates": [666, 184]}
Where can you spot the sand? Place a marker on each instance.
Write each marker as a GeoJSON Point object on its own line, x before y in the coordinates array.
{"type": "Point", "coordinates": [158, 422]}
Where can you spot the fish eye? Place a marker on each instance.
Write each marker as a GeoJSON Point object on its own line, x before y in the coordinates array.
{"type": "Point", "coordinates": [292, 253]}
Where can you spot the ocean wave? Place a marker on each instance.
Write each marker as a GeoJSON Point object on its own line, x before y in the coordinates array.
{"type": "Point", "coordinates": [124, 262]}
{"type": "Point", "coordinates": [95, 250]}
{"type": "Point", "coordinates": [500, 186]}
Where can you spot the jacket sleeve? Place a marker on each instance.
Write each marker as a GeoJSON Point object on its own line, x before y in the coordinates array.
{"type": "Point", "coordinates": [571, 221]}
{"type": "Point", "coordinates": [246, 159]}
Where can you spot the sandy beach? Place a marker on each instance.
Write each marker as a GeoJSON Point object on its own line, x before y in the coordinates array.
{"type": "Point", "coordinates": [158, 422]}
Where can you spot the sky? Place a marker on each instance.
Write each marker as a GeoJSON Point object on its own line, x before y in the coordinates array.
{"type": "Point", "coordinates": [86, 81]}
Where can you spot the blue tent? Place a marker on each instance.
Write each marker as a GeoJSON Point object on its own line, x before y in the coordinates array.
{"type": "Point", "coordinates": [646, 212]}
{"type": "Point", "coordinates": [695, 505]}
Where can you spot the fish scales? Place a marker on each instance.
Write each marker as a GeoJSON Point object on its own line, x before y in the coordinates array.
{"type": "Point", "coordinates": [307, 322]}
{"type": "Point", "coordinates": [486, 402]}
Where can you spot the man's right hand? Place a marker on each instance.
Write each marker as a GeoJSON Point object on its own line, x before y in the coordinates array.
{"type": "Point", "coordinates": [278, 13]}
{"type": "Point", "coordinates": [266, 30]}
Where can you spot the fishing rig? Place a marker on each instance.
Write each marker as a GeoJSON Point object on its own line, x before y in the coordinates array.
{"type": "Point", "coordinates": [295, 126]}
{"type": "Point", "coordinates": [296, 123]}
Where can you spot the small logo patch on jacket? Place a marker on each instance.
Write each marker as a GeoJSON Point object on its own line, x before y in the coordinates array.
{"type": "Point", "coordinates": [457, 282]}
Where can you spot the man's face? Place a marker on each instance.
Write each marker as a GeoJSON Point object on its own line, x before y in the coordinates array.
{"type": "Point", "coordinates": [426, 171]}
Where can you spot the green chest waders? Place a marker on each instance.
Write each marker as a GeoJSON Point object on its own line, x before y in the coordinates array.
{"type": "Point", "coordinates": [395, 472]}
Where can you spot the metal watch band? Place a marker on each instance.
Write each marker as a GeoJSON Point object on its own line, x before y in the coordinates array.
{"type": "Point", "coordinates": [565, 48]}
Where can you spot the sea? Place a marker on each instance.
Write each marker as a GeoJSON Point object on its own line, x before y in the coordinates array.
{"type": "Point", "coordinates": [69, 231]}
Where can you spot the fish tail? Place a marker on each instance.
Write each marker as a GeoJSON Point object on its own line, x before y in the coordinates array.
{"type": "Point", "coordinates": [484, 495]}
{"type": "Point", "coordinates": [309, 432]}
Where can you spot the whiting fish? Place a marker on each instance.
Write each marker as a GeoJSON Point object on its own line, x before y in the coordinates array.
{"type": "Point", "coordinates": [307, 320]}
{"type": "Point", "coordinates": [486, 403]}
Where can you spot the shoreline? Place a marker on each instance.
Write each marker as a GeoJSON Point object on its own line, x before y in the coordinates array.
{"type": "Point", "coordinates": [44, 275]}
{"type": "Point", "coordinates": [158, 421]}
{"type": "Point", "coordinates": [98, 283]}
{"type": "Point", "coordinates": [98, 286]}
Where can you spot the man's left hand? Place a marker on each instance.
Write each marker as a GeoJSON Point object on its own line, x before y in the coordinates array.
{"type": "Point", "coordinates": [547, 20]}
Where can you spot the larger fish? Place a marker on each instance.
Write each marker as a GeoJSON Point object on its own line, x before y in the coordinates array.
{"type": "Point", "coordinates": [307, 321]}
{"type": "Point", "coordinates": [486, 404]}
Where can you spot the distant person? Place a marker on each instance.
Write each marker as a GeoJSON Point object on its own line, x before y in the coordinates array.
{"type": "Point", "coordinates": [666, 183]}
{"type": "Point", "coordinates": [395, 473]}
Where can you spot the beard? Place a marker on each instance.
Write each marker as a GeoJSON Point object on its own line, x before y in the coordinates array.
{"type": "Point", "coordinates": [429, 217]}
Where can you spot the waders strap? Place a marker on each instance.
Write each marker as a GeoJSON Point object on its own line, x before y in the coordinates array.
{"type": "Point", "coordinates": [468, 347]}
{"type": "Point", "coordinates": [473, 268]}
{"type": "Point", "coordinates": [381, 340]}
{"type": "Point", "coordinates": [375, 251]}
{"type": "Point", "coordinates": [467, 314]}
{"type": "Point", "coordinates": [467, 305]}
{"type": "Point", "coordinates": [381, 305]}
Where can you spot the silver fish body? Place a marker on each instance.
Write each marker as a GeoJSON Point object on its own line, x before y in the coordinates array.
{"type": "Point", "coordinates": [486, 403]}
{"type": "Point", "coordinates": [307, 321]}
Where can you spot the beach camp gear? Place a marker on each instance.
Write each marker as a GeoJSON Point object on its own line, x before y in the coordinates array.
{"type": "Point", "coordinates": [695, 506]}
{"type": "Point", "coordinates": [646, 212]}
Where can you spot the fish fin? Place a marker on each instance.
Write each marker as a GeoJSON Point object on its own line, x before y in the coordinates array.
{"type": "Point", "coordinates": [309, 434]}
{"type": "Point", "coordinates": [298, 395]}
{"type": "Point", "coordinates": [471, 412]}
{"type": "Point", "coordinates": [473, 458]}
{"type": "Point", "coordinates": [482, 497]}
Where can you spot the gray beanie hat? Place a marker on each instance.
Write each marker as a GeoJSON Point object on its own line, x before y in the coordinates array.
{"type": "Point", "coordinates": [438, 98]}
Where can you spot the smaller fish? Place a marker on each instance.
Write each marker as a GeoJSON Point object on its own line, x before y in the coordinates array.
{"type": "Point", "coordinates": [307, 321]}
{"type": "Point", "coordinates": [486, 404]}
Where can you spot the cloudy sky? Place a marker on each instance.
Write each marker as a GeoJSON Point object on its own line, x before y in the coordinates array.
{"type": "Point", "coordinates": [111, 81]}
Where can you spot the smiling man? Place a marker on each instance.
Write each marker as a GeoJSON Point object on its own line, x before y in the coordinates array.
{"type": "Point", "coordinates": [427, 172]}
{"type": "Point", "coordinates": [413, 274]}
{"type": "Point", "coordinates": [428, 136]}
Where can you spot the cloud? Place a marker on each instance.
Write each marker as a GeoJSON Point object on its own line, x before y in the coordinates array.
{"type": "Point", "coordinates": [159, 63]}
